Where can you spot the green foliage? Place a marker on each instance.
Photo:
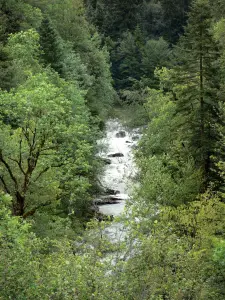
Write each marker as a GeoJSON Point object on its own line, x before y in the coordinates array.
{"type": "Point", "coordinates": [174, 18]}
{"type": "Point", "coordinates": [32, 268]}
{"type": "Point", "coordinates": [194, 84]}
{"type": "Point", "coordinates": [219, 252]}
{"type": "Point", "coordinates": [150, 18]}
{"type": "Point", "coordinates": [162, 158]}
{"type": "Point", "coordinates": [50, 139]}
{"type": "Point", "coordinates": [113, 17]}
{"type": "Point", "coordinates": [56, 89]}
{"type": "Point", "coordinates": [24, 50]}
{"type": "Point", "coordinates": [180, 231]}
{"type": "Point", "coordinates": [81, 43]}
{"type": "Point", "coordinates": [137, 60]}
{"type": "Point", "coordinates": [155, 18]}
{"type": "Point", "coordinates": [16, 16]}
{"type": "Point", "coordinates": [6, 70]}
{"type": "Point", "coordinates": [74, 70]}
{"type": "Point", "coordinates": [52, 50]}
{"type": "Point", "coordinates": [175, 256]}
{"type": "Point", "coordinates": [128, 56]}
{"type": "Point", "coordinates": [46, 125]}
{"type": "Point", "coordinates": [133, 115]}
{"type": "Point", "coordinates": [155, 54]}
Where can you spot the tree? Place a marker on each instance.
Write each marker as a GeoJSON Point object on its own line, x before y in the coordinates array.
{"type": "Point", "coordinates": [68, 18]}
{"type": "Point", "coordinates": [162, 159]}
{"type": "Point", "coordinates": [194, 83]}
{"type": "Point", "coordinates": [17, 15]}
{"type": "Point", "coordinates": [128, 55]}
{"type": "Point", "coordinates": [45, 125]}
{"type": "Point", "coordinates": [150, 18]}
{"type": "Point", "coordinates": [113, 18]}
{"type": "Point", "coordinates": [176, 253]}
{"type": "Point", "coordinates": [51, 46]}
{"type": "Point", "coordinates": [174, 18]}
{"type": "Point", "coordinates": [155, 54]}
{"type": "Point", "coordinates": [6, 70]}
{"type": "Point", "coordinates": [34, 147]}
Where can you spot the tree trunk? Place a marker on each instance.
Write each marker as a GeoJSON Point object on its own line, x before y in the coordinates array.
{"type": "Point", "coordinates": [20, 203]}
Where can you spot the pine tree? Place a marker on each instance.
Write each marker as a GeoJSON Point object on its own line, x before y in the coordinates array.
{"type": "Point", "coordinates": [113, 17]}
{"type": "Point", "coordinates": [126, 59]}
{"type": "Point", "coordinates": [6, 70]}
{"type": "Point", "coordinates": [155, 54]}
{"type": "Point", "coordinates": [150, 18]}
{"type": "Point", "coordinates": [196, 89]}
{"type": "Point", "coordinates": [52, 50]}
{"type": "Point", "coordinates": [174, 18]}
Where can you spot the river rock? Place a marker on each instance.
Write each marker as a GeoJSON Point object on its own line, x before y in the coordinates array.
{"type": "Point", "coordinates": [135, 137]}
{"type": "Point", "coordinates": [111, 192]}
{"type": "Point", "coordinates": [107, 161]}
{"type": "Point", "coordinates": [94, 208]}
{"type": "Point", "coordinates": [109, 199]}
{"type": "Point", "coordinates": [121, 134]}
{"type": "Point", "coordinates": [101, 217]}
{"type": "Point", "coordinates": [116, 155]}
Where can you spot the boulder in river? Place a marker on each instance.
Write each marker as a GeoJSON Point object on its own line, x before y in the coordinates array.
{"type": "Point", "coordinates": [107, 161]}
{"type": "Point", "coordinates": [94, 208]}
{"type": "Point", "coordinates": [109, 199]}
{"type": "Point", "coordinates": [121, 134]}
{"type": "Point", "coordinates": [111, 192]}
{"type": "Point", "coordinates": [101, 217]}
{"type": "Point", "coordinates": [116, 155]}
{"type": "Point", "coordinates": [135, 137]}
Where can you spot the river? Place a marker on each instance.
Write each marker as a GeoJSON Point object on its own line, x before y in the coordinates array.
{"type": "Point", "coordinates": [116, 149]}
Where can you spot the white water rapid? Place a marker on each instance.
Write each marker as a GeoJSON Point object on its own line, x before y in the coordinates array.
{"type": "Point", "coordinates": [116, 150]}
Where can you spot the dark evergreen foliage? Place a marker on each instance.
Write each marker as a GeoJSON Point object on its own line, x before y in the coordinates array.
{"type": "Point", "coordinates": [200, 103]}
{"type": "Point", "coordinates": [174, 18]}
{"type": "Point", "coordinates": [113, 17]}
{"type": "Point", "coordinates": [51, 45]}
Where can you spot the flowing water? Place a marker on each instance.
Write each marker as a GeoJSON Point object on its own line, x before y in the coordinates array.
{"type": "Point", "coordinates": [117, 177]}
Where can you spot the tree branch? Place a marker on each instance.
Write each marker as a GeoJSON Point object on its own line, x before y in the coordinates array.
{"type": "Point", "coordinates": [4, 184]}
{"type": "Point", "coordinates": [19, 164]}
{"type": "Point", "coordinates": [20, 158]}
{"type": "Point", "coordinates": [8, 169]}
{"type": "Point", "coordinates": [33, 210]}
{"type": "Point", "coordinates": [25, 133]}
{"type": "Point", "coordinates": [41, 173]}
{"type": "Point", "coordinates": [47, 168]}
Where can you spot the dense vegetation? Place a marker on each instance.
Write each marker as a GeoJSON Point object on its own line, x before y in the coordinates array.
{"type": "Point", "coordinates": [63, 66]}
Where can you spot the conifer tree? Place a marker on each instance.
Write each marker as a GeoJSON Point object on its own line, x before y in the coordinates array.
{"type": "Point", "coordinates": [174, 18]}
{"type": "Point", "coordinates": [150, 18]}
{"type": "Point", "coordinates": [6, 70]}
{"type": "Point", "coordinates": [195, 83]}
{"type": "Point", "coordinates": [155, 54]}
{"type": "Point", "coordinates": [128, 57]}
{"type": "Point", "coordinates": [52, 51]}
{"type": "Point", "coordinates": [113, 17]}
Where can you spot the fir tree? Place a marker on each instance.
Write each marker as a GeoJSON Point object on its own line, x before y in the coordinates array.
{"type": "Point", "coordinates": [52, 50]}
{"type": "Point", "coordinates": [196, 88]}
{"type": "Point", "coordinates": [174, 18]}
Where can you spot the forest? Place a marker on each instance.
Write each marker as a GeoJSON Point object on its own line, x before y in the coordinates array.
{"type": "Point", "coordinates": [66, 68]}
